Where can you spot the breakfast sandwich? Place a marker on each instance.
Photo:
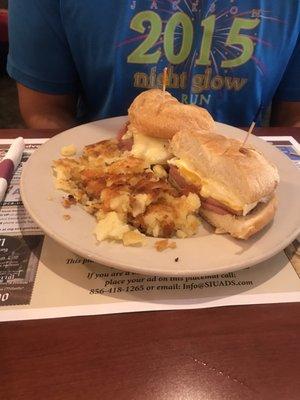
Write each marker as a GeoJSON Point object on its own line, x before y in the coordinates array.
{"type": "Point", "coordinates": [153, 119]}
{"type": "Point", "coordinates": [236, 184]}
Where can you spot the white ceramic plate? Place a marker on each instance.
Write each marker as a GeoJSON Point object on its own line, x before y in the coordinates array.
{"type": "Point", "coordinates": [204, 254]}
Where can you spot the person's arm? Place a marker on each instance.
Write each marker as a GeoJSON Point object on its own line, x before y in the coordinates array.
{"type": "Point", "coordinates": [46, 111]}
{"type": "Point", "coordinates": [285, 113]}
{"type": "Point", "coordinates": [41, 62]}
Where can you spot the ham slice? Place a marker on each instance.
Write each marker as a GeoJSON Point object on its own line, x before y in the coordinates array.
{"type": "Point", "coordinates": [208, 203]}
{"type": "Point", "coordinates": [215, 203]}
{"type": "Point", "coordinates": [124, 144]}
{"type": "Point", "coordinates": [122, 131]}
{"type": "Point", "coordinates": [208, 206]}
{"type": "Point", "coordinates": [178, 180]}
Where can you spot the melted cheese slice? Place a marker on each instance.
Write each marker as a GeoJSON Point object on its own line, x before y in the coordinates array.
{"type": "Point", "coordinates": [153, 150]}
{"type": "Point", "coordinates": [210, 188]}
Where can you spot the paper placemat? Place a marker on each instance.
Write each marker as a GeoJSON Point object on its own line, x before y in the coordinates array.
{"type": "Point", "coordinates": [41, 279]}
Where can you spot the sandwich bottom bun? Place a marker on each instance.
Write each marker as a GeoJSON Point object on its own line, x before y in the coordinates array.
{"type": "Point", "coordinates": [243, 227]}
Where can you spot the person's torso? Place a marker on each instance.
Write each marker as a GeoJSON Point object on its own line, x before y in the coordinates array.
{"type": "Point", "coordinates": [225, 55]}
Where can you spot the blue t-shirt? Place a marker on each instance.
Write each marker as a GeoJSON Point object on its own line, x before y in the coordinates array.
{"type": "Point", "coordinates": [229, 56]}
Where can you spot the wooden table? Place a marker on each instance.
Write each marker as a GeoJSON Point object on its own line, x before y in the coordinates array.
{"type": "Point", "coordinates": [244, 352]}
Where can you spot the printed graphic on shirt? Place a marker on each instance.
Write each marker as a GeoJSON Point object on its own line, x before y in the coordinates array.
{"type": "Point", "coordinates": [208, 48]}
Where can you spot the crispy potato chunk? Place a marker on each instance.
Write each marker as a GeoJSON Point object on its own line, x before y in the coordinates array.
{"type": "Point", "coordinates": [123, 193]}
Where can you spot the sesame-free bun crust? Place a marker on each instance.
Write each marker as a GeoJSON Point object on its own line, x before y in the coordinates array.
{"type": "Point", "coordinates": [243, 227]}
{"type": "Point", "coordinates": [158, 114]}
{"type": "Point", "coordinates": [243, 172]}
